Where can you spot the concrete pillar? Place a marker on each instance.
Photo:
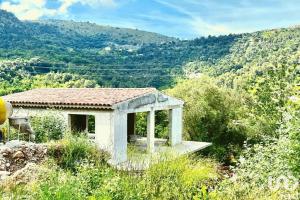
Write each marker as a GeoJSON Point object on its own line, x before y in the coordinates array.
{"type": "Point", "coordinates": [131, 126]}
{"type": "Point", "coordinates": [175, 126]}
{"type": "Point", "coordinates": [150, 130]}
{"type": "Point", "coordinates": [119, 137]}
{"type": "Point", "coordinates": [103, 131]}
{"type": "Point", "coordinates": [69, 126]}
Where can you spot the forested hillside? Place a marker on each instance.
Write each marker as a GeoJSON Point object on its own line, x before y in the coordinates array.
{"type": "Point", "coordinates": [241, 93]}
{"type": "Point", "coordinates": [121, 57]}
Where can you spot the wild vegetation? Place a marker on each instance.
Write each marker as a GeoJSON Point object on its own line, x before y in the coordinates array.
{"type": "Point", "coordinates": [241, 93]}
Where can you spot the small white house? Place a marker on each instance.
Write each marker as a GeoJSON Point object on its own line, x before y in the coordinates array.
{"type": "Point", "coordinates": [114, 111]}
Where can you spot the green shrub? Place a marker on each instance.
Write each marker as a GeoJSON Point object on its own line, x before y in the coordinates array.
{"type": "Point", "coordinates": [215, 114]}
{"type": "Point", "coordinates": [161, 124]}
{"type": "Point", "coordinates": [260, 164]}
{"type": "Point", "coordinates": [141, 124]}
{"type": "Point", "coordinates": [95, 176]}
{"type": "Point", "coordinates": [73, 150]}
{"type": "Point", "coordinates": [121, 186]}
{"type": "Point", "coordinates": [294, 132]}
{"type": "Point", "coordinates": [48, 126]}
{"type": "Point", "coordinates": [60, 184]}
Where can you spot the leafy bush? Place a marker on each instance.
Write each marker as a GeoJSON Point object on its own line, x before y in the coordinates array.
{"type": "Point", "coordinates": [62, 80]}
{"type": "Point", "coordinates": [48, 126]}
{"type": "Point", "coordinates": [295, 142]}
{"type": "Point", "coordinates": [215, 114]}
{"type": "Point", "coordinates": [161, 124]}
{"type": "Point", "coordinates": [141, 124]}
{"type": "Point", "coordinates": [61, 184]}
{"type": "Point", "coordinates": [257, 171]}
{"type": "Point", "coordinates": [73, 150]}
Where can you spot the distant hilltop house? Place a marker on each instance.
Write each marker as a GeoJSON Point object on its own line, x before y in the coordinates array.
{"type": "Point", "coordinates": [114, 112]}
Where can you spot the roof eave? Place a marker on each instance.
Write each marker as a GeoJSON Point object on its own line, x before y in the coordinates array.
{"type": "Point", "coordinates": [61, 106]}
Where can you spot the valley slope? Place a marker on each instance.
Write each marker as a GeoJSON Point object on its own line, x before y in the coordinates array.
{"type": "Point", "coordinates": [120, 57]}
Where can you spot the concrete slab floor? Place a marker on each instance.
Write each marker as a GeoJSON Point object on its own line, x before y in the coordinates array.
{"type": "Point", "coordinates": [139, 159]}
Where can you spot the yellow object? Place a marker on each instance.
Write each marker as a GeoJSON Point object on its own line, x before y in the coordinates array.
{"type": "Point", "coordinates": [5, 110]}
{"type": "Point", "coordinates": [2, 111]}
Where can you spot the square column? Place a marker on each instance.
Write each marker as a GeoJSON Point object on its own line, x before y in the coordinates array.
{"type": "Point", "coordinates": [103, 130]}
{"type": "Point", "coordinates": [119, 137]}
{"type": "Point", "coordinates": [175, 126]}
{"type": "Point", "coordinates": [150, 130]}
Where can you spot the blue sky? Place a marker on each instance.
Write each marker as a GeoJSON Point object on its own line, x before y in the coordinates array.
{"type": "Point", "coordinates": [178, 18]}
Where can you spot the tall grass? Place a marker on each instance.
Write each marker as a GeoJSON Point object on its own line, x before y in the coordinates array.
{"type": "Point", "coordinates": [73, 150]}
{"type": "Point", "coordinates": [76, 175]}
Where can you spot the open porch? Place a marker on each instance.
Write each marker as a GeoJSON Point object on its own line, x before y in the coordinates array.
{"type": "Point", "coordinates": [115, 130]}
{"type": "Point", "coordinates": [139, 159]}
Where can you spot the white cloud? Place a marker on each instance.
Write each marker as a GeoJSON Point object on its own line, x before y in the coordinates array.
{"type": "Point", "coordinates": [65, 4]}
{"type": "Point", "coordinates": [201, 27]}
{"type": "Point", "coordinates": [28, 9]}
{"type": "Point", "coordinates": [197, 23]}
{"type": "Point", "coordinates": [35, 9]}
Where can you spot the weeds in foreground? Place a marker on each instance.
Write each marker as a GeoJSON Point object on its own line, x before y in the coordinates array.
{"type": "Point", "coordinates": [73, 150]}
{"type": "Point", "coordinates": [76, 170]}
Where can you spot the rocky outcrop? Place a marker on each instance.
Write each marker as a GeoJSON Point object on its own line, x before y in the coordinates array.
{"type": "Point", "coordinates": [15, 155]}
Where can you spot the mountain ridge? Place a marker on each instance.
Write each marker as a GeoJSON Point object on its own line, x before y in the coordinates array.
{"type": "Point", "coordinates": [119, 59]}
{"type": "Point", "coordinates": [85, 29]}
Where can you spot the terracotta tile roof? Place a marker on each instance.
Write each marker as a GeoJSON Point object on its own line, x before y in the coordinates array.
{"type": "Point", "coordinates": [76, 97]}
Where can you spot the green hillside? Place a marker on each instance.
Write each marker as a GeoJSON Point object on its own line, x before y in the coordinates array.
{"type": "Point", "coordinates": [240, 92]}
{"type": "Point", "coordinates": [122, 57]}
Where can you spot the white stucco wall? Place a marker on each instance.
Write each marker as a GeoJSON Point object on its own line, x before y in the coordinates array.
{"type": "Point", "coordinates": [119, 137]}
{"type": "Point", "coordinates": [175, 125]}
{"type": "Point", "coordinates": [103, 130]}
{"type": "Point", "coordinates": [105, 122]}
{"type": "Point", "coordinates": [111, 125]}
